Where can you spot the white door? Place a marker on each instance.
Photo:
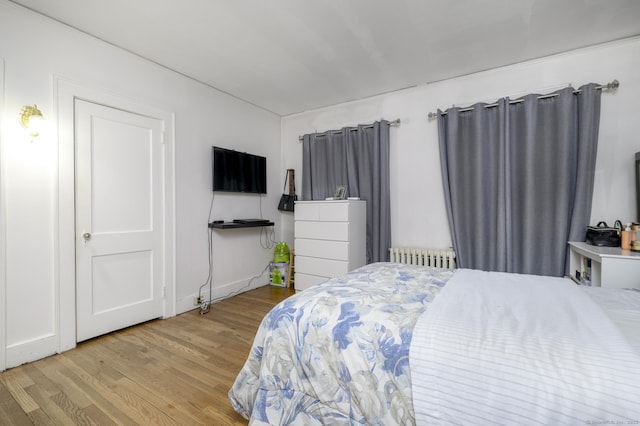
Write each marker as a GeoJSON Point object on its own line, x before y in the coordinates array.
{"type": "Point", "coordinates": [119, 219]}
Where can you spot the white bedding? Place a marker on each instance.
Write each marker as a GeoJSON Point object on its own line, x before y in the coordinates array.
{"type": "Point", "coordinates": [622, 306]}
{"type": "Point", "coordinates": [543, 353]}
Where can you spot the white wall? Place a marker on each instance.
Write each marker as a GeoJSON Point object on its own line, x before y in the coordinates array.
{"type": "Point", "coordinates": [37, 53]}
{"type": "Point", "coordinates": [418, 211]}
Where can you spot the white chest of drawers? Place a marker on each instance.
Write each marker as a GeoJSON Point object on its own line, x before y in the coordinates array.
{"type": "Point", "coordinates": [330, 239]}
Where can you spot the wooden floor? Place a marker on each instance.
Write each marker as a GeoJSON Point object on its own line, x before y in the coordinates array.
{"type": "Point", "coordinates": [165, 372]}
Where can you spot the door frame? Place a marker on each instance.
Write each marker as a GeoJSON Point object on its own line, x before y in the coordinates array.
{"type": "Point", "coordinates": [66, 94]}
{"type": "Point", "coordinates": [3, 269]}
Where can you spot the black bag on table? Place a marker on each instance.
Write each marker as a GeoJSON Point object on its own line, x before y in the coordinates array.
{"type": "Point", "coordinates": [602, 235]}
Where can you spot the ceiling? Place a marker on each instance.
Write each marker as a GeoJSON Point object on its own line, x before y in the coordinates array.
{"type": "Point", "coordinates": [289, 56]}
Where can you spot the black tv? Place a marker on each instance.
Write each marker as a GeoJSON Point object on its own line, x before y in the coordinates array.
{"type": "Point", "coordinates": [235, 171]}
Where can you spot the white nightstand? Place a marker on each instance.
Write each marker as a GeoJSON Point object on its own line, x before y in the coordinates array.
{"type": "Point", "coordinates": [610, 266]}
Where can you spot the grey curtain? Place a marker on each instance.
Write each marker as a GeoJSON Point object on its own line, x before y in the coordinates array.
{"type": "Point", "coordinates": [358, 158]}
{"type": "Point", "coordinates": [518, 179]}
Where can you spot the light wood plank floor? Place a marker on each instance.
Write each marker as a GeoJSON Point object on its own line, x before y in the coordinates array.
{"type": "Point", "coordinates": [165, 372]}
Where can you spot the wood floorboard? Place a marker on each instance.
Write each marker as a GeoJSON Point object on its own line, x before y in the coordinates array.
{"type": "Point", "coordinates": [102, 407]}
{"type": "Point", "coordinates": [165, 372]}
{"type": "Point", "coordinates": [10, 410]}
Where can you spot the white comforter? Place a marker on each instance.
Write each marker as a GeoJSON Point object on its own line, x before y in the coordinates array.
{"type": "Point", "coordinates": [511, 349]}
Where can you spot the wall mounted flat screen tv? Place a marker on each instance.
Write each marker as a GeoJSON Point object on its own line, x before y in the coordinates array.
{"type": "Point", "coordinates": [235, 171]}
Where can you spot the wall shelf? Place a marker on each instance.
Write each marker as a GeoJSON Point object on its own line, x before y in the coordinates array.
{"type": "Point", "coordinates": [235, 225]}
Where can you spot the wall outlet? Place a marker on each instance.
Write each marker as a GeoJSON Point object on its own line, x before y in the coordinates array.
{"type": "Point", "coordinates": [197, 301]}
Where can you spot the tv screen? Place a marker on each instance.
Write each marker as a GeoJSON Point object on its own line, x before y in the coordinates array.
{"type": "Point", "coordinates": [235, 171]}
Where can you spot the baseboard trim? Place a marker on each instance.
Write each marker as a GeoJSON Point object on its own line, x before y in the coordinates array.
{"type": "Point", "coordinates": [185, 304]}
{"type": "Point", "coordinates": [24, 352]}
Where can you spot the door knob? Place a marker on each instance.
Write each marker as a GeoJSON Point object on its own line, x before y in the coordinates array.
{"type": "Point", "coordinates": [86, 236]}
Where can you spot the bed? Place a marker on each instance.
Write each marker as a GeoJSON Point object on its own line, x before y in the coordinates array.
{"type": "Point", "coordinates": [402, 344]}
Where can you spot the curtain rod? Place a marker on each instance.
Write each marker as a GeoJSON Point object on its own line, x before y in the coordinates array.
{"type": "Point", "coordinates": [609, 86]}
{"type": "Point", "coordinates": [395, 122]}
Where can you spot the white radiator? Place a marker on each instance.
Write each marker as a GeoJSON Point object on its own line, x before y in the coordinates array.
{"type": "Point", "coordinates": [438, 258]}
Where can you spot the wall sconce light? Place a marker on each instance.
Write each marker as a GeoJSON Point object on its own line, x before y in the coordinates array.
{"type": "Point", "coordinates": [32, 119]}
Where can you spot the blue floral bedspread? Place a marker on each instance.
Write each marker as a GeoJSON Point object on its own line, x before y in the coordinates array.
{"type": "Point", "coordinates": [338, 353]}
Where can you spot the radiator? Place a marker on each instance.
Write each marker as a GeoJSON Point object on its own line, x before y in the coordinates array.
{"type": "Point", "coordinates": [438, 258]}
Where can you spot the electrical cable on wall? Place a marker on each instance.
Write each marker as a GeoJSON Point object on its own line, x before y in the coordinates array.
{"type": "Point", "coordinates": [205, 306]}
{"type": "Point", "coordinates": [238, 291]}
{"type": "Point", "coordinates": [267, 241]}
{"type": "Point", "coordinates": [267, 236]}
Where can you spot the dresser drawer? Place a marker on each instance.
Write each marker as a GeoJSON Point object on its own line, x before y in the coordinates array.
{"type": "Point", "coordinates": [338, 231]}
{"type": "Point", "coordinates": [323, 211]}
{"type": "Point", "coordinates": [336, 250]}
{"type": "Point", "coordinates": [320, 267]}
{"type": "Point", "coordinates": [304, 281]}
